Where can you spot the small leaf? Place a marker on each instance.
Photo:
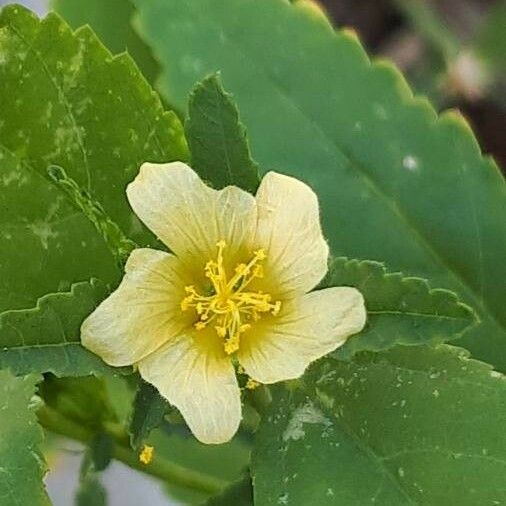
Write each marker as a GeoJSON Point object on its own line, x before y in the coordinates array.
{"type": "Point", "coordinates": [217, 139]}
{"type": "Point", "coordinates": [121, 394]}
{"type": "Point", "coordinates": [22, 466]}
{"type": "Point", "coordinates": [100, 448]}
{"type": "Point", "coordinates": [47, 338]}
{"type": "Point", "coordinates": [148, 411]}
{"type": "Point", "coordinates": [97, 457]}
{"type": "Point", "coordinates": [414, 425]}
{"type": "Point", "coordinates": [401, 310]}
{"type": "Point", "coordinates": [91, 492]}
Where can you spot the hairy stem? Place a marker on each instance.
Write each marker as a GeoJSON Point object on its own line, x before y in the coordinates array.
{"type": "Point", "coordinates": [158, 467]}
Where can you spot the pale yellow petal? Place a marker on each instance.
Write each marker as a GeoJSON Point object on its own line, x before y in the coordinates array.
{"type": "Point", "coordinates": [280, 348]}
{"type": "Point", "coordinates": [289, 230]}
{"type": "Point", "coordinates": [195, 376]}
{"type": "Point", "coordinates": [143, 313]}
{"type": "Point", "coordinates": [188, 216]}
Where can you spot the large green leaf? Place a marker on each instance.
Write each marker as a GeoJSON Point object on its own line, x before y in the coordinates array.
{"type": "Point", "coordinates": [66, 101]}
{"type": "Point", "coordinates": [111, 21]}
{"type": "Point", "coordinates": [418, 426]}
{"type": "Point", "coordinates": [217, 139]}
{"type": "Point", "coordinates": [47, 338]}
{"type": "Point", "coordinates": [396, 182]}
{"type": "Point", "coordinates": [22, 466]}
{"type": "Point", "coordinates": [400, 310]}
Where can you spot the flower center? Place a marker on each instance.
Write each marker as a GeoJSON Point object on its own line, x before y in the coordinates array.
{"type": "Point", "coordinates": [230, 307]}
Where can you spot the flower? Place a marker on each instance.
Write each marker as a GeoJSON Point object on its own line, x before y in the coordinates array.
{"type": "Point", "coordinates": [234, 290]}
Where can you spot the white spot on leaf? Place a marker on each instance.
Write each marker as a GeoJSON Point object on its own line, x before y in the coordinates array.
{"type": "Point", "coordinates": [410, 163]}
{"type": "Point", "coordinates": [306, 413]}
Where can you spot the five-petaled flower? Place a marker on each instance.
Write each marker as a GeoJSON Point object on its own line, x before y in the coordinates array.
{"type": "Point", "coordinates": [235, 290]}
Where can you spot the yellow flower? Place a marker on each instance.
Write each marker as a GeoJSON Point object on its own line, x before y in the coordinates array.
{"type": "Point", "coordinates": [233, 291]}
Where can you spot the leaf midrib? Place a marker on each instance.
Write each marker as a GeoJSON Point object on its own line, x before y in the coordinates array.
{"type": "Point", "coordinates": [60, 92]}
{"type": "Point", "coordinates": [223, 136]}
{"type": "Point", "coordinates": [38, 345]}
{"type": "Point", "coordinates": [421, 315]}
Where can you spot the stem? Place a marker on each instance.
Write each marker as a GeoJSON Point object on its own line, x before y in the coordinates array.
{"type": "Point", "coordinates": [158, 467]}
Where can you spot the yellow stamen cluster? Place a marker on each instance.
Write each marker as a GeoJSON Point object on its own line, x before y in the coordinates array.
{"type": "Point", "coordinates": [230, 307]}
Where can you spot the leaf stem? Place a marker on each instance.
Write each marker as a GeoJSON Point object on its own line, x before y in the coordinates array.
{"type": "Point", "coordinates": [158, 467]}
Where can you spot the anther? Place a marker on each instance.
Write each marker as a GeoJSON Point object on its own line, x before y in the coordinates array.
{"type": "Point", "coordinates": [221, 331]}
{"type": "Point", "coordinates": [231, 345]}
{"type": "Point", "coordinates": [258, 271]}
{"type": "Point", "coordinates": [241, 268]}
{"type": "Point", "coordinates": [251, 384]}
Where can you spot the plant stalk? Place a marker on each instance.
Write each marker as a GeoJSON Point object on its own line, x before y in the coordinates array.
{"type": "Point", "coordinates": [158, 467]}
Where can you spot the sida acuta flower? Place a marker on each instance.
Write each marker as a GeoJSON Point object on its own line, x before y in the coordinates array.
{"type": "Point", "coordinates": [236, 290]}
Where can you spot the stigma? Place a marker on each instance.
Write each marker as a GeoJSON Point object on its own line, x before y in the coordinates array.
{"type": "Point", "coordinates": [231, 308]}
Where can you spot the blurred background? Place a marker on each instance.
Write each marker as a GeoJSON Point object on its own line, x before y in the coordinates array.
{"type": "Point", "coordinates": [452, 51]}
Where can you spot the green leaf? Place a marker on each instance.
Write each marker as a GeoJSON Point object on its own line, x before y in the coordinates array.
{"type": "Point", "coordinates": [119, 245]}
{"type": "Point", "coordinates": [396, 182]}
{"type": "Point", "coordinates": [22, 466]}
{"type": "Point", "coordinates": [217, 139]}
{"type": "Point", "coordinates": [91, 492]}
{"type": "Point", "coordinates": [86, 402]}
{"type": "Point", "coordinates": [47, 338]}
{"type": "Point", "coordinates": [112, 22]}
{"type": "Point", "coordinates": [65, 101]}
{"type": "Point", "coordinates": [238, 494]}
{"type": "Point", "coordinates": [226, 461]}
{"type": "Point", "coordinates": [149, 408]}
{"type": "Point", "coordinates": [401, 310]}
{"type": "Point", "coordinates": [100, 450]}
{"type": "Point", "coordinates": [408, 426]}
{"type": "Point", "coordinates": [121, 394]}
